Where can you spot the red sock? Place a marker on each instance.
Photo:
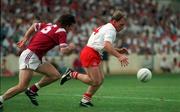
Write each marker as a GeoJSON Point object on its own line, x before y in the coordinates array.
{"type": "Point", "coordinates": [74, 75]}
{"type": "Point", "coordinates": [33, 88]}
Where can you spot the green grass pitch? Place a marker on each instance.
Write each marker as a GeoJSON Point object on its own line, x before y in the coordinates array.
{"type": "Point", "coordinates": [119, 93]}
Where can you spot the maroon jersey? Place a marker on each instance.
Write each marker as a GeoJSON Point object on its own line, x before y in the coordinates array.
{"type": "Point", "coordinates": [47, 37]}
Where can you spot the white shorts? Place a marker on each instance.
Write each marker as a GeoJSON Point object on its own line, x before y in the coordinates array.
{"type": "Point", "coordinates": [29, 60]}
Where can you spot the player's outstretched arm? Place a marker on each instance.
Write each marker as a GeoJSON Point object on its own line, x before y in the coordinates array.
{"type": "Point", "coordinates": [26, 37]}
{"type": "Point", "coordinates": [68, 50]}
{"type": "Point", "coordinates": [110, 49]}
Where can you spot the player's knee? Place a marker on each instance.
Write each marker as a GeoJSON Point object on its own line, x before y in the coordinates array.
{"type": "Point", "coordinates": [101, 81]}
{"type": "Point", "coordinates": [97, 83]}
{"type": "Point", "coordinates": [56, 77]}
{"type": "Point", "coordinates": [22, 87]}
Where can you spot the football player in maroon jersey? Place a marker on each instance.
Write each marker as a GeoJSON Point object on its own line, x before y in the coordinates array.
{"type": "Point", "coordinates": [47, 36]}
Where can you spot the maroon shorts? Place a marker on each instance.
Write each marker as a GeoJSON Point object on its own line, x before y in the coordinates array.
{"type": "Point", "coordinates": [89, 57]}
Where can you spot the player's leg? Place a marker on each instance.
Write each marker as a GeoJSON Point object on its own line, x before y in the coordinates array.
{"type": "Point", "coordinates": [97, 77]}
{"type": "Point", "coordinates": [87, 56]}
{"type": "Point", "coordinates": [25, 76]}
{"type": "Point", "coordinates": [105, 61]}
{"type": "Point", "coordinates": [93, 77]}
{"type": "Point", "coordinates": [107, 67]}
{"type": "Point", "coordinates": [71, 74]}
{"type": "Point", "coordinates": [85, 78]}
{"type": "Point", "coordinates": [50, 75]}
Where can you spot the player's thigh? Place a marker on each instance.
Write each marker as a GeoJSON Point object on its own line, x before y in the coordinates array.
{"type": "Point", "coordinates": [95, 73]}
{"type": "Point", "coordinates": [48, 70]}
{"type": "Point", "coordinates": [25, 76]}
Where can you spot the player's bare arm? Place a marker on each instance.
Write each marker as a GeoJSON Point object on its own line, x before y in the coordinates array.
{"type": "Point", "coordinates": [121, 57]}
{"type": "Point", "coordinates": [68, 50]}
{"type": "Point", "coordinates": [109, 48]}
{"type": "Point", "coordinates": [26, 37]}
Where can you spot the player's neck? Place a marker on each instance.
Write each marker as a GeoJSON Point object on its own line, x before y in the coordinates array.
{"type": "Point", "coordinates": [58, 24]}
{"type": "Point", "coordinates": [113, 24]}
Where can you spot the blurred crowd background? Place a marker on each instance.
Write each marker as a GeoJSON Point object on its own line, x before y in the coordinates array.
{"type": "Point", "coordinates": [153, 25]}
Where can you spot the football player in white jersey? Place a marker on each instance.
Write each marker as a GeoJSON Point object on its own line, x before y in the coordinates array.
{"type": "Point", "coordinates": [101, 39]}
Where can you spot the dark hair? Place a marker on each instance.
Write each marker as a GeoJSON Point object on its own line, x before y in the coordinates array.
{"type": "Point", "coordinates": [117, 15]}
{"type": "Point", "coordinates": [67, 20]}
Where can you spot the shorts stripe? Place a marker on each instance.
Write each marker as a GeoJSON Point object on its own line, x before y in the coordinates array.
{"type": "Point", "coordinates": [28, 57]}
{"type": "Point", "coordinates": [28, 60]}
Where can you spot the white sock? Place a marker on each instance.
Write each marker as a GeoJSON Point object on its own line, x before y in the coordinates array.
{"type": "Point", "coordinates": [84, 100]}
{"type": "Point", "coordinates": [37, 85]}
{"type": "Point", "coordinates": [1, 99]}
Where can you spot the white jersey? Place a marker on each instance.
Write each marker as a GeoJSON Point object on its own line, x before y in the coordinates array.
{"type": "Point", "coordinates": [106, 32]}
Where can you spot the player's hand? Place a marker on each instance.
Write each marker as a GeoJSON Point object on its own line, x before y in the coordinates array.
{"type": "Point", "coordinates": [72, 46]}
{"type": "Point", "coordinates": [68, 50]}
{"type": "Point", "coordinates": [21, 43]}
{"type": "Point", "coordinates": [123, 60]}
{"type": "Point", "coordinates": [122, 51]}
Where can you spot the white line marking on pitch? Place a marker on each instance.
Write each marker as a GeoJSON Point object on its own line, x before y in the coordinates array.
{"type": "Point", "coordinates": [118, 97]}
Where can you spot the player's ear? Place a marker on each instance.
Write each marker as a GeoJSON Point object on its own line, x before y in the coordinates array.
{"type": "Point", "coordinates": [67, 28]}
{"type": "Point", "coordinates": [113, 22]}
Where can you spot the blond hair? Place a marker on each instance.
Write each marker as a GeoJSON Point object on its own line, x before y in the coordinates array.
{"type": "Point", "coordinates": [117, 15]}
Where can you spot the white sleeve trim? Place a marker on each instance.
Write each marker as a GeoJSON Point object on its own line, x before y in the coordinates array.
{"type": "Point", "coordinates": [62, 45]}
{"type": "Point", "coordinates": [35, 26]}
{"type": "Point", "coordinates": [60, 30]}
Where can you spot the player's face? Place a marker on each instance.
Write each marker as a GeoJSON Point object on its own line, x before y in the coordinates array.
{"type": "Point", "coordinates": [69, 28]}
{"type": "Point", "coordinates": [120, 24]}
